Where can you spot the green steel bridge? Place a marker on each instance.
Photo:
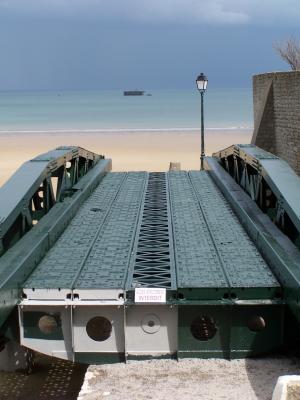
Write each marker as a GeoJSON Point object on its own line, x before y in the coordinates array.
{"type": "Point", "coordinates": [99, 266]}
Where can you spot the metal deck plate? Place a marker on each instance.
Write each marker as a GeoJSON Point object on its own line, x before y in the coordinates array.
{"type": "Point", "coordinates": [107, 262]}
{"type": "Point", "coordinates": [157, 230]}
{"type": "Point", "coordinates": [197, 261]}
{"type": "Point", "coordinates": [62, 263]}
{"type": "Point", "coordinates": [242, 263]}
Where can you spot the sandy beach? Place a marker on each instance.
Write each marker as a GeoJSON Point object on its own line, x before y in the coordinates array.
{"type": "Point", "coordinates": [150, 151]}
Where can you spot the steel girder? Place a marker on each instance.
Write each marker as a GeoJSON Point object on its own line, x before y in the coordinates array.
{"type": "Point", "coordinates": [78, 172]}
{"type": "Point", "coordinates": [281, 254]}
{"type": "Point", "coordinates": [36, 186]}
{"type": "Point", "coordinates": [269, 181]}
{"type": "Point", "coordinates": [95, 296]}
{"type": "Point", "coordinates": [136, 233]}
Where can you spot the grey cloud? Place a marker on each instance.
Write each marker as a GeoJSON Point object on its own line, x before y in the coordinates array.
{"type": "Point", "coordinates": [173, 11]}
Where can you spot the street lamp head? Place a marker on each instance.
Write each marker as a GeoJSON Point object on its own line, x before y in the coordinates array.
{"type": "Point", "coordinates": [201, 82]}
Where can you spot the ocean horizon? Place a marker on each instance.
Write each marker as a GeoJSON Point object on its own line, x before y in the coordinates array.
{"type": "Point", "coordinates": [63, 112]}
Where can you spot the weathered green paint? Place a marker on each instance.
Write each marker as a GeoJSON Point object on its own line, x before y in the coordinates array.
{"type": "Point", "coordinates": [282, 256]}
{"type": "Point", "coordinates": [197, 234]}
{"type": "Point", "coordinates": [29, 194]}
{"type": "Point", "coordinates": [218, 346]}
{"type": "Point", "coordinates": [233, 338]}
{"type": "Point", "coordinates": [20, 260]}
{"type": "Point", "coordinates": [31, 326]}
{"type": "Point", "coordinates": [269, 181]}
{"type": "Point", "coordinates": [215, 258]}
{"type": "Point", "coordinates": [244, 342]}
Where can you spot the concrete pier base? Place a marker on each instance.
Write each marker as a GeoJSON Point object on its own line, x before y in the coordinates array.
{"type": "Point", "coordinates": [287, 388]}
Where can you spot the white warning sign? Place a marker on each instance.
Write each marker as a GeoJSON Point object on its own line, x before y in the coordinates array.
{"type": "Point", "coordinates": [150, 295]}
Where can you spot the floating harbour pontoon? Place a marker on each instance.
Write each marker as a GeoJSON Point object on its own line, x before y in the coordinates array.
{"type": "Point", "coordinates": [99, 266]}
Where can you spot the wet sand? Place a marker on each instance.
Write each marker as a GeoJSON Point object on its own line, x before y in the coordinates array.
{"type": "Point", "coordinates": [150, 151]}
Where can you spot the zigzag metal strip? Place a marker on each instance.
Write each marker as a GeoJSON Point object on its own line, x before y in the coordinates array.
{"type": "Point", "coordinates": [152, 265]}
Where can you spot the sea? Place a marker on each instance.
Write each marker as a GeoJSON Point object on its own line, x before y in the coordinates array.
{"type": "Point", "coordinates": [111, 111]}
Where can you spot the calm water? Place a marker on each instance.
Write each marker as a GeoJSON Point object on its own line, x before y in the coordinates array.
{"type": "Point", "coordinates": [110, 110]}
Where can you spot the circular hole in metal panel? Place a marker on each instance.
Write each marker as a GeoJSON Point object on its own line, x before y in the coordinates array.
{"type": "Point", "coordinates": [203, 328]}
{"type": "Point", "coordinates": [150, 323]}
{"type": "Point", "coordinates": [47, 324]}
{"type": "Point", "coordinates": [99, 329]}
{"type": "Point", "coordinates": [256, 324]}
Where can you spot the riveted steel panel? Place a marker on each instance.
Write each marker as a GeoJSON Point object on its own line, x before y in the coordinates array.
{"type": "Point", "coordinates": [164, 230]}
{"type": "Point", "coordinates": [250, 339]}
{"type": "Point", "coordinates": [229, 331]}
{"type": "Point", "coordinates": [62, 262]}
{"type": "Point", "coordinates": [107, 263]}
{"type": "Point", "coordinates": [197, 261]}
{"type": "Point", "coordinates": [212, 250]}
{"type": "Point", "coordinates": [151, 330]}
{"type": "Point", "coordinates": [113, 342]}
{"type": "Point", "coordinates": [204, 331]}
{"type": "Point", "coordinates": [242, 263]}
{"type": "Point", "coordinates": [58, 343]}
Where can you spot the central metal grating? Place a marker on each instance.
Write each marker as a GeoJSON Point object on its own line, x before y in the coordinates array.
{"type": "Point", "coordinates": [153, 256]}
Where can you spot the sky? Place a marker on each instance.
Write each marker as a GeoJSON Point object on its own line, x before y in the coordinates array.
{"type": "Point", "coordinates": [147, 44]}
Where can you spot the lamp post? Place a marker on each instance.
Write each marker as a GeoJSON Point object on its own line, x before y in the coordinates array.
{"type": "Point", "coordinates": [201, 82]}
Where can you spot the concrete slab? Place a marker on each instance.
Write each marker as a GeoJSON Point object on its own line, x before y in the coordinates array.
{"type": "Point", "coordinates": [287, 388]}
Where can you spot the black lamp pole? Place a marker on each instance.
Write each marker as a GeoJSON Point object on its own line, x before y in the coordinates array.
{"type": "Point", "coordinates": [202, 85]}
{"type": "Point", "coordinates": [202, 132]}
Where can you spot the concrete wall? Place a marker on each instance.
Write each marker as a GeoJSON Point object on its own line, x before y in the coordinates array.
{"type": "Point", "coordinates": [276, 100]}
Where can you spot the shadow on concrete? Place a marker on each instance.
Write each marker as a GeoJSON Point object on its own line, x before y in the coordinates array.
{"type": "Point", "coordinates": [263, 372]}
{"type": "Point", "coordinates": [52, 378]}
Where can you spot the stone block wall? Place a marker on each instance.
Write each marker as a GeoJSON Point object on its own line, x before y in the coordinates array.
{"type": "Point", "coordinates": [276, 101]}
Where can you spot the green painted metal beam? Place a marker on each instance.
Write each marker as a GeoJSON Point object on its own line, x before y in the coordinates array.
{"type": "Point", "coordinates": [197, 236]}
{"type": "Point", "coordinates": [101, 234]}
{"type": "Point", "coordinates": [281, 178]}
{"type": "Point", "coordinates": [213, 251]}
{"type": "Point", "coordinates": [29, 194]}
{"type": "Point", "coordinates": [282, 256]}
{"type": "Point", "coordinates": [21, 259]}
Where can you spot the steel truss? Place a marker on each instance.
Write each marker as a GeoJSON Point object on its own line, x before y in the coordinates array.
{"type": "Point", "coordinates": [269, 181]}
{"type": "Point", "coordinates": [36, 187]}
{"type": "Point", "coordinates": [228, 278]}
